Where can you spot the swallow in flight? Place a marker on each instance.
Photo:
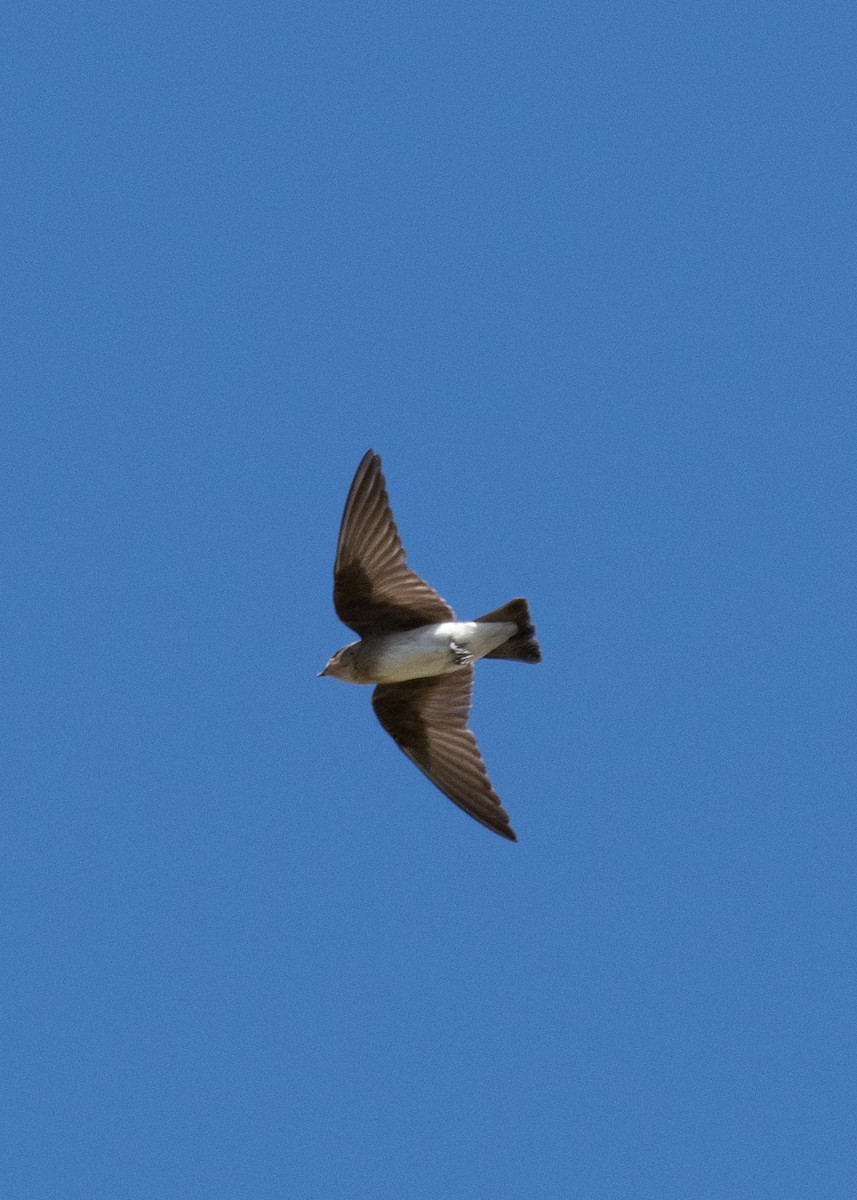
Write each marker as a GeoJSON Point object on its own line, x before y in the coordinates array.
{"type": "Point", "coordinates": [415, 652]}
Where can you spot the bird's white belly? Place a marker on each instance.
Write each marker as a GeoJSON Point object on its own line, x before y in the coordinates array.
{"type": "Point", "coordinates": [430, 650]}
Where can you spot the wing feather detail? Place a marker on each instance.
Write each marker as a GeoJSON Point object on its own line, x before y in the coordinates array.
{"type": "Point", "coordinates": [374, 590]}
{"type": "Point", "coordinates": [427, 719]}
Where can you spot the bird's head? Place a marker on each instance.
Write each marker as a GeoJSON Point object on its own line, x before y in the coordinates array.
{"type": "Point", "coordinates": [343, 665]}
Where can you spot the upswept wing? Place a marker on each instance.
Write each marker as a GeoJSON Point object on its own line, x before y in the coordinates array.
{"type": "Point", "coordinates": [427, 719]}
{"type": "Point", "coordinates": [374, 590]}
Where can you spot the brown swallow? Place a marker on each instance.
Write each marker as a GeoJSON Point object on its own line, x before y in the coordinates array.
{"type": "Point", "coordinates": [413, 648]}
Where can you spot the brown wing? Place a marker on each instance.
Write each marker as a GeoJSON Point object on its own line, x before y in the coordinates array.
{"type": "Point", "coordinates": [374, 590]}
{"type": "Point", "coordinates": [427, 719]}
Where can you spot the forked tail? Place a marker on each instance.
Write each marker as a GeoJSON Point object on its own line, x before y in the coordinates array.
{"type": "Point", "coordinates": [521, 646]}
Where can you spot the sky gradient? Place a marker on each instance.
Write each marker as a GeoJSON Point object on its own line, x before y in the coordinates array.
{"type": "Point", "coordinates": [584, 277]}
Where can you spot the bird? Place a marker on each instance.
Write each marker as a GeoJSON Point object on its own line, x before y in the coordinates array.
{"type": "Point", "coordinates": [417, 654]}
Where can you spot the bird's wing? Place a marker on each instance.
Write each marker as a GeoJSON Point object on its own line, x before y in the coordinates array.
{"type": "Point", "coordinates": [374, 590]}
{"type": "Point", "coordinates": [427, 719]}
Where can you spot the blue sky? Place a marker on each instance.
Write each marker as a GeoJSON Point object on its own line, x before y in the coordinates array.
{"type": "Point", "coordinates": [583, 275]}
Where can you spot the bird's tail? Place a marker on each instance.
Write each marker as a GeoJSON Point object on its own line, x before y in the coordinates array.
{"type": "Point", "coordinates": [521, 646]}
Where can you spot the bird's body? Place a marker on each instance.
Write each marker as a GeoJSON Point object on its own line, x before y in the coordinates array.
{"type": "Point", "coordinates": [414, 650]}
{"type": "Point", "coordinates": [419, 653]}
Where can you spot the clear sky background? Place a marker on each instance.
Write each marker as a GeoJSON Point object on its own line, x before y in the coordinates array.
{"type": "Point", "coordinates": [583, 275]}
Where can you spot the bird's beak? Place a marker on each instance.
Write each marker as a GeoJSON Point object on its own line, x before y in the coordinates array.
{"type": "Point", "coordinates": [324, 672]}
